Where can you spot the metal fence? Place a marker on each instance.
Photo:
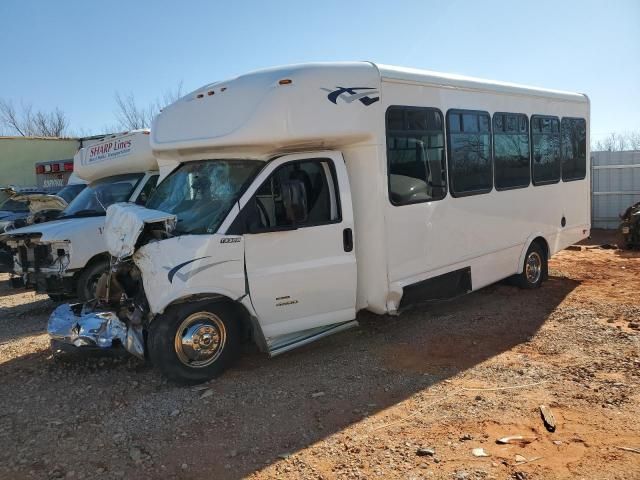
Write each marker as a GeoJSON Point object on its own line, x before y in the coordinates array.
{"type": "Point", "coordinates": [615, 185]}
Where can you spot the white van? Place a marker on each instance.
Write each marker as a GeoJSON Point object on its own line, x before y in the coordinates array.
{"type": "Point", "coordinates": [304, 194]}
{"type": "Point", "coordinates": [65, 257]}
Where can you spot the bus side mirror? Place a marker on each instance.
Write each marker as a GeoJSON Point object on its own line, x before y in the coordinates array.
{"type": "Point", "coordinates": [294, 200]}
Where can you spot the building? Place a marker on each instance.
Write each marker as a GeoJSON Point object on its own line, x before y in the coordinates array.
{"type": "Point", "coordinates": [19, 155]}
{"type": "Point", "coordinates": [615, 185]}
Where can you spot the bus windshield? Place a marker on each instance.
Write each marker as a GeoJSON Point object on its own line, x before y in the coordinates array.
{"type": "Point", "coordinates": [98, 195]}
{"type": "Point", "coordinates": [201, 193]}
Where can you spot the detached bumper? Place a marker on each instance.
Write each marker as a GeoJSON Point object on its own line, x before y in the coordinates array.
{"type": "Point", "coordinates": [70, 324]}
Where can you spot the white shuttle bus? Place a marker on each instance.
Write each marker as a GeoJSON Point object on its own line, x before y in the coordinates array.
{"type": "Point", "coordinates": [65, 257]}
{"type": "Point", "coordinates": [306, 193]}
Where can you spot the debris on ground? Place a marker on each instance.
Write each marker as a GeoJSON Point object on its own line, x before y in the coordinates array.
{"type": "Point", "coordinates": [629, 449]}
{"type": "Point", "coordinates": [516, 439]}
{"type": "Point", "coordinates": [425, 452]}
{"type": "Point", "coordinates": [547, 418]}
{"type": "Point", "coordinates": [479, 452]}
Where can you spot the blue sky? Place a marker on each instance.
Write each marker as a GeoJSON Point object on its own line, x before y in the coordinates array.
{"type": "Point", "coordinates": [77, 54]}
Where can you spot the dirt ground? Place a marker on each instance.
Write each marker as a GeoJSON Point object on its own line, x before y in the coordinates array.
{"type": "Point", "coordinates": [399, 397]}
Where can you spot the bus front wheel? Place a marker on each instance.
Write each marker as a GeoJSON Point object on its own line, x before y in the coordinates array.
{"type": "Point", "coordinates": [194, 342]}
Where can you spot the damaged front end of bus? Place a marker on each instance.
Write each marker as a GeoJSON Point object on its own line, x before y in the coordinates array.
{"type": "Point", "coordinates": [119, 314]}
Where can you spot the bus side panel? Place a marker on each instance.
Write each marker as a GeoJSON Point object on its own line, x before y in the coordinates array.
{"type": "Point", "coordinates": [487, 232]}
{"type": "Point", "coordinates": [365, 166]}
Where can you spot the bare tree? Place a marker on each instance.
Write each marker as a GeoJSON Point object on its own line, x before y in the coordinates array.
{"type": "Point", "coordinates": [618, 142]}
{"type": "Point", "coordinates": [633, 139]}
{"type": "Point", "coordinates": [27, 123]}
{"type": "Point", "coordinates": [132, 116]}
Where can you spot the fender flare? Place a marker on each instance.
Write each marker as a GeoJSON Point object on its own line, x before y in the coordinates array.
{"type": "Point", "coordinates": [527, 244]}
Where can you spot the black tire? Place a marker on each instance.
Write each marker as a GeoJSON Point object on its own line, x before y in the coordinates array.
{"type": "Point", "coordinates": [88, 279]}
{"type": "Point", "coordinates": [534, 269]}
{"type": "Point", "coordinates": [175, 357]}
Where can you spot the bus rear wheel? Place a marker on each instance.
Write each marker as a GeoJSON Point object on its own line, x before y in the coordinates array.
{"type": "Point", "coordinates": [534, 269]}
{"type": "Point", "coordinates": [193, 343]}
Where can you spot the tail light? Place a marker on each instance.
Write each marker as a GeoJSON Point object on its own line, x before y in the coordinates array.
{"type": "Point", "coordinates": [55, 167]}
{"type": "Point", "coordinates": [68, 167]}
{"type": "Point", "coordinates": [39, 168]}
{"type": "Point", "coordinates": [47, 168]}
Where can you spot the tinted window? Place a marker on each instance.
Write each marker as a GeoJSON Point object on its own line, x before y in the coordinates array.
{"type": "Point", "coordinates": [320, 190]}
{"type": "Point", "coordinates": [511, 150]}
{"type": "Point", "coordinates": [574, 148]}
{"type": "Point", "coordinates": [469, 141]}
{"type": "Point", "coordinates": [545, 149]}
{"type": "Point", "coordinates": [415, 155]}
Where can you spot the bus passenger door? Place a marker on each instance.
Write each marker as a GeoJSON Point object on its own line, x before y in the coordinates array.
{"type": "Point", "coordinates": [299, 247]}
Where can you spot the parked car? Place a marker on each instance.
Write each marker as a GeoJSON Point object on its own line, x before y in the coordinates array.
{"type": "Point", "coordinates": [25, 206]}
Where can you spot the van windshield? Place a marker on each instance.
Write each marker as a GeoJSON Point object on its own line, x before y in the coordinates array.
{"type": "Point", "coordinates": [98, 195]}
{"type": "Point", "coordinates": [14, 206]}
{"type": "Point", "coordinates": [69, 192]}
{"type": "Point", "coordinates": [201, 193]}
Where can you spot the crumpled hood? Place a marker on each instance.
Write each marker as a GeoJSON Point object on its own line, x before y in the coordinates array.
{"type": "Point", "coordinates": [41, 201]}
{"type": "Point", "coordinates": [58, 230]}
{"type": "Point", "coordinates": [124, 224]}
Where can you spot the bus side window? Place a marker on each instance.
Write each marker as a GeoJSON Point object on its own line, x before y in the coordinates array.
{"type": "Point", "coordinates": [545, 149]}
{"type": "Point", "coordinates": [511, 150]}
{"type": "Point", "coordinates": [574, 148]}
{"type": "Point", "coordinates": [469, 142]}
{"type": "Point", "coordinates": [415, 155]}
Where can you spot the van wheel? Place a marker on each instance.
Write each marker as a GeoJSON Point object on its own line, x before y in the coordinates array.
{"type": "Point", "coordinates": [88, 280]}
{"type": "Point", "coordinates": [534, 269]}
{"type": "Point", "coordinates": [193, 343]}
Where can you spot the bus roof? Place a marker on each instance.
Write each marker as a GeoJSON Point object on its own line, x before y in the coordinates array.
{"type": "Point", "coordinates": [391, 73]}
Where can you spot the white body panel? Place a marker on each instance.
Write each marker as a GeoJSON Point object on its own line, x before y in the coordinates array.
{"type": "Point", "coordinates": [294, 287]}
{"type": "Point", "coordinates": [191, 265]}
{"type": "Point", "coordinates": [341, 107]}
{"type": "Point", "coordinates": [114, 155]}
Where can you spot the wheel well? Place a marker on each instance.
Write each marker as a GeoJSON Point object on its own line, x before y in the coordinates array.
{"type": "Point", "coordinates": [92, 261]}
{"type": "Point", "coordinates": [97, 258]}
{"type": "Point", "coordinates": [543, 244]}
{"type": "Point", "coordinates": [243, 315]}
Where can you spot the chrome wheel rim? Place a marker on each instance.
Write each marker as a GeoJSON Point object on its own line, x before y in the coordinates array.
{"type": "Point", "coordinates": [533, 267]}
{"type": "Point", "coordinates": [200, 339]}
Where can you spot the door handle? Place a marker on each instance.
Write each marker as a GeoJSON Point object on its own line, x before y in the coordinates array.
{"type": "Point", "coordinates": [347, 239]}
